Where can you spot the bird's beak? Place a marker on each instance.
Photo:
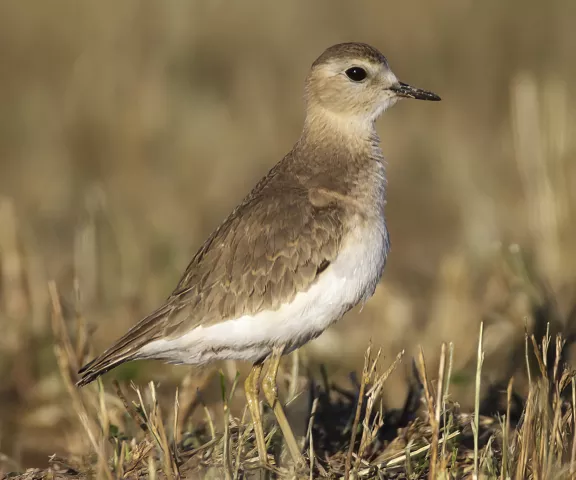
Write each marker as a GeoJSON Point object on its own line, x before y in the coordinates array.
{"type": "Point", "coordinates": [405, 90]}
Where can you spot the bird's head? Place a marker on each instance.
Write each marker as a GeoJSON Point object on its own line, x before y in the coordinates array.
{"type": "Point", "coordinates": [354, 82]}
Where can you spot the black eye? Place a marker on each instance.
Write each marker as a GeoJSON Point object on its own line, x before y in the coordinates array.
{"type": "Point", "coordinates": [356, 74]}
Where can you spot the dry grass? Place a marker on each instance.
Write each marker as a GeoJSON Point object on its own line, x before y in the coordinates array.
{"type": "Point", "coordinates": [350, 434]}
{"type": "Point", "coordinates": [128, 132]}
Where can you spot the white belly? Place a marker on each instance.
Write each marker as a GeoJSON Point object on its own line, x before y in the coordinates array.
{"type": "Point", "coordinates": [350, 279]}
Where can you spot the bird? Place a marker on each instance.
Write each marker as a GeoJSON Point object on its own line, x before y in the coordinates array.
{"type": "Point", "coordinates": [306, 245]}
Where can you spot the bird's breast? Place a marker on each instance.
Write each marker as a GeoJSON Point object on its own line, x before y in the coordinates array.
{"type": "Point", "coordinates": [362, 256]}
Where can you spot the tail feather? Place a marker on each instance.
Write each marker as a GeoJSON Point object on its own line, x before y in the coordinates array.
{"type": "Point", "coordinates": [89, 374]}
{"type": "Point", "coordinates": [126, 348]}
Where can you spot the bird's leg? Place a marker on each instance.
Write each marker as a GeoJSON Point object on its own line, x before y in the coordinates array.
{"type": "Point", "coordinates": [271, 392]}
{"type": "Point", "coordinates": [252, 390]}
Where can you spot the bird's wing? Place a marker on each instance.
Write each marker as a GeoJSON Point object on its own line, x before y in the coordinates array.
{"type": "Point", "coordinates": [275, 244]}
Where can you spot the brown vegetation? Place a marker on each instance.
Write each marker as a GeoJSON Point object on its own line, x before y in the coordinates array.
{"type": "Point", "coordinates": [129, 130]}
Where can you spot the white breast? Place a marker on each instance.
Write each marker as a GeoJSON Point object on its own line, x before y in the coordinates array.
{"type": "Point", "coordinates": [350, 279]}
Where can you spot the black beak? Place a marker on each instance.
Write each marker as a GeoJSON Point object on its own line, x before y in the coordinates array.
{"type": "Point", "coordinates": [405, 90]}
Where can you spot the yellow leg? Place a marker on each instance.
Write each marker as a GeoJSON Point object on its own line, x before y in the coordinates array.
{"type": "Point", "coordinates": [271, 392]}
{"type": "Point", "coordinates": [252, 390]}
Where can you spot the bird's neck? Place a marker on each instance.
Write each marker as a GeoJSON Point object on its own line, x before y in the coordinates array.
{"type": "Point", "coordinates": [332, 138]}
{"type": "Point", "coordinates": [323, 127]}
{"type": "Point", "coordinates": [340, 154]}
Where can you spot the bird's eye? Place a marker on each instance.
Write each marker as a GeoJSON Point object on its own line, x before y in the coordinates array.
{"type": "Point", "coordinates": [356, 74]}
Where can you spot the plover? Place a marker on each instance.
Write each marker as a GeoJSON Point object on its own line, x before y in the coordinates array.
{"type": "Point", "coordinates": [305, 246]}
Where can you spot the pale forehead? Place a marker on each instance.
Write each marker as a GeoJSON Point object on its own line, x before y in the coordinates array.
{"type": "Point", "coordinates": [351, 52]}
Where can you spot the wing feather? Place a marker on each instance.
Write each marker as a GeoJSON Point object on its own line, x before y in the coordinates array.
{"type": "Point", "coordinates": [272, 246]}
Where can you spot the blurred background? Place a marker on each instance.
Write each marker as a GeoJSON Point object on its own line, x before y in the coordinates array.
{"type": "Point", "coordinates": [129, 130]}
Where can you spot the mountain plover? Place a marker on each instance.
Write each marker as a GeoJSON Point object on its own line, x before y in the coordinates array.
{"type": "Point", "coordinates": [305, 246]}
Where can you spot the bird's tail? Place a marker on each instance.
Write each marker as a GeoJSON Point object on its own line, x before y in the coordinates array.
{"type": "Point", "coordinates": [99, 366]}
{"type": "Point", "coordinates": [125, 349]}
